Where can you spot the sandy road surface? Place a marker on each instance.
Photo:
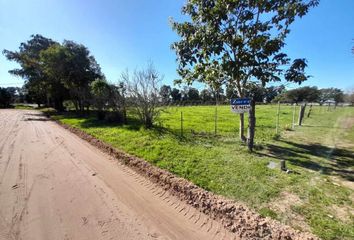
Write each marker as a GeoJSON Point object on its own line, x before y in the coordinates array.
{"type": "Point", "coordinates": [53, 185]}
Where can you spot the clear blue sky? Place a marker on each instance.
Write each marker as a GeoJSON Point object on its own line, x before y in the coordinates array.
{"type": "Point", "coordinates": [126, 34]}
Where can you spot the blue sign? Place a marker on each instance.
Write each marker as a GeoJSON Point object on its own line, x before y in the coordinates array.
{"type": "Point", "coordinates": [240, 105]}
{"type": "Point", "coordinates": [241, 101]}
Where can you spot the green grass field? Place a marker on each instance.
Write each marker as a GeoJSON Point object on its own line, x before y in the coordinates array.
{"type": "Point", "coordinates": [317, 196]}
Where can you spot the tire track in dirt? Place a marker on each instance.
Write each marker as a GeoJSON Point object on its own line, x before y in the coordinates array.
{"type": "Point", "coordinates": [58, 186]}
{"type": "Point", "coordinates": [194, 218]}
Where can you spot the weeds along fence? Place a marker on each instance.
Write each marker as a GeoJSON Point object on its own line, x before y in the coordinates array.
{"type": "Point", "coordinates": [218, 120]}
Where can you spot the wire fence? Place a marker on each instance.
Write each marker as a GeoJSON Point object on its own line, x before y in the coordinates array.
{"type": "Point", "coordinates": [219, 120]}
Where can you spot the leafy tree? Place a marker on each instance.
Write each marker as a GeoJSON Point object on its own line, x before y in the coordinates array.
{"type": "Point", "coordinates": [350, 98]}
{"type": "Point", "coordinates": [55, 72]}
{"type": "Point", "coordinates": [230, 92]}
{"type": "Point", "coordinates": [232, 42]}
{"type": "Point", "coordinates": [118, 100]}
{"type": "Point", "coordinates": [303, 94]}
{"type": "Point", "coordinates": [34, 92]}
{"type": "Point", "coordinates": [81, 69]}
{"type": "Point", "coordinates": [70, 65]}
{"type": "Point", "coordinates": [15, 93]}
{"type": "Point", "coordinates": [109, 100]}
{"type": "Point", "coordinates": [19, 95]}
{"type": "Point", "coordinates": [52, 64]}
{"type": "Point", "coordinates": [255, 91]}
{"type": "Point", "coordinates": [333, 94]}
{"type": "Point", "coordinates": [193, 94]}
{"type": "Point", "coordinates": [5, 98]}
{"type": "Point", "coordinates": [28, 57]}
{"type": "Point", "coordinates": [165, 93]}
{"type": "Point", "coordinates": [184, 93]}
{"type": "Point", "coordinates": [176, 95]}
{"type": "Point", "coordinates": [206, 95]}
{"type": "Point", "coordinates": [218, 93]}
{"type": "Point", "coordinates": [101, 94]}
{"type": "Point", "coordinates": [272, 92]}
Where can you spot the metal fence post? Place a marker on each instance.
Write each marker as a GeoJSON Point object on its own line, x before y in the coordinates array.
{"type": "Point", "coordinates": [181, 124]}
{"type": "Point", "coordinates": [277, 124]}
{"type": "Point", "coordinates": [294, 111]}
{"type": "Point", "coordinates": [216, 119]}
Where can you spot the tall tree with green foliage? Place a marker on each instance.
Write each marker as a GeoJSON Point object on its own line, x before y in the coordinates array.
{"type": "Point", "coordinates": [233, 42]}
{"type": "Point", "coordinates": [5, 98]}
{"type": "Point", "coordinates": [176, 95]}
{"type": "Point", "coordinates": [52, 64]}
{"type": "Point", "coordinates": [193, 94]}
{"type": "Point", "coordinates": [165, 93]}
{"type": "Point", "coordinates": [56, 72]}
{"type": "Point", "coordinates": [303, 94]}
{"type": "Point", "coordinates": [81, 70]}
{"type": "Point", "coordinates": [108, 100]}
{"type": "Point", "coordinates": [28, 57]}
{"type": "Point", "coordinates": [100, 95]}
{"type": "Point", "coordinates": [206, 95]}
{"type": "Point", "coordinates": [70, 65]}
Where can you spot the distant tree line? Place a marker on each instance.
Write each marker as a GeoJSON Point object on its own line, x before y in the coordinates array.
{"type": "Point", "coordinates": [10, 95]}
{"type": "Point", "coordinates": [191, 95]}
{"type": "Point", "coordinates": [313, 94]}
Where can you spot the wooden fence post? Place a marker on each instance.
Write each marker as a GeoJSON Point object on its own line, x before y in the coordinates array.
{"type": "Point", "coordinates": [302, 113]}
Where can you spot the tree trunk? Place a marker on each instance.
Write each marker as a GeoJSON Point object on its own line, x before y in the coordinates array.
{"type": "Point", "coordinates": [81, 105]}
{"type": "Point", "coordinates": [58, 104]}
{"type": "Point", "coordinates": [251, 126]}
{"type": "Point", "coordinates": [76, 105]}
{"type": "Point", "coordinates": [148, 122]}
{"type": "Point", "coordinates": [125, 120]}
{"type": "Point", "coordinates": [124, 111]}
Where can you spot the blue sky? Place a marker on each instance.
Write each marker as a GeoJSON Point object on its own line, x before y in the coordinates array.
{"type": "Point", "coordinates": [127, 34]}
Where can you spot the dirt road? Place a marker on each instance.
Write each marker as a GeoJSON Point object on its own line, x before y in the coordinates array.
{"type": "Point", "coordinates": [53, 185]}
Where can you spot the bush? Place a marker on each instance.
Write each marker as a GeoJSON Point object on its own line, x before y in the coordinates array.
{"type": "Point", "coordinates": [116, 117]}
